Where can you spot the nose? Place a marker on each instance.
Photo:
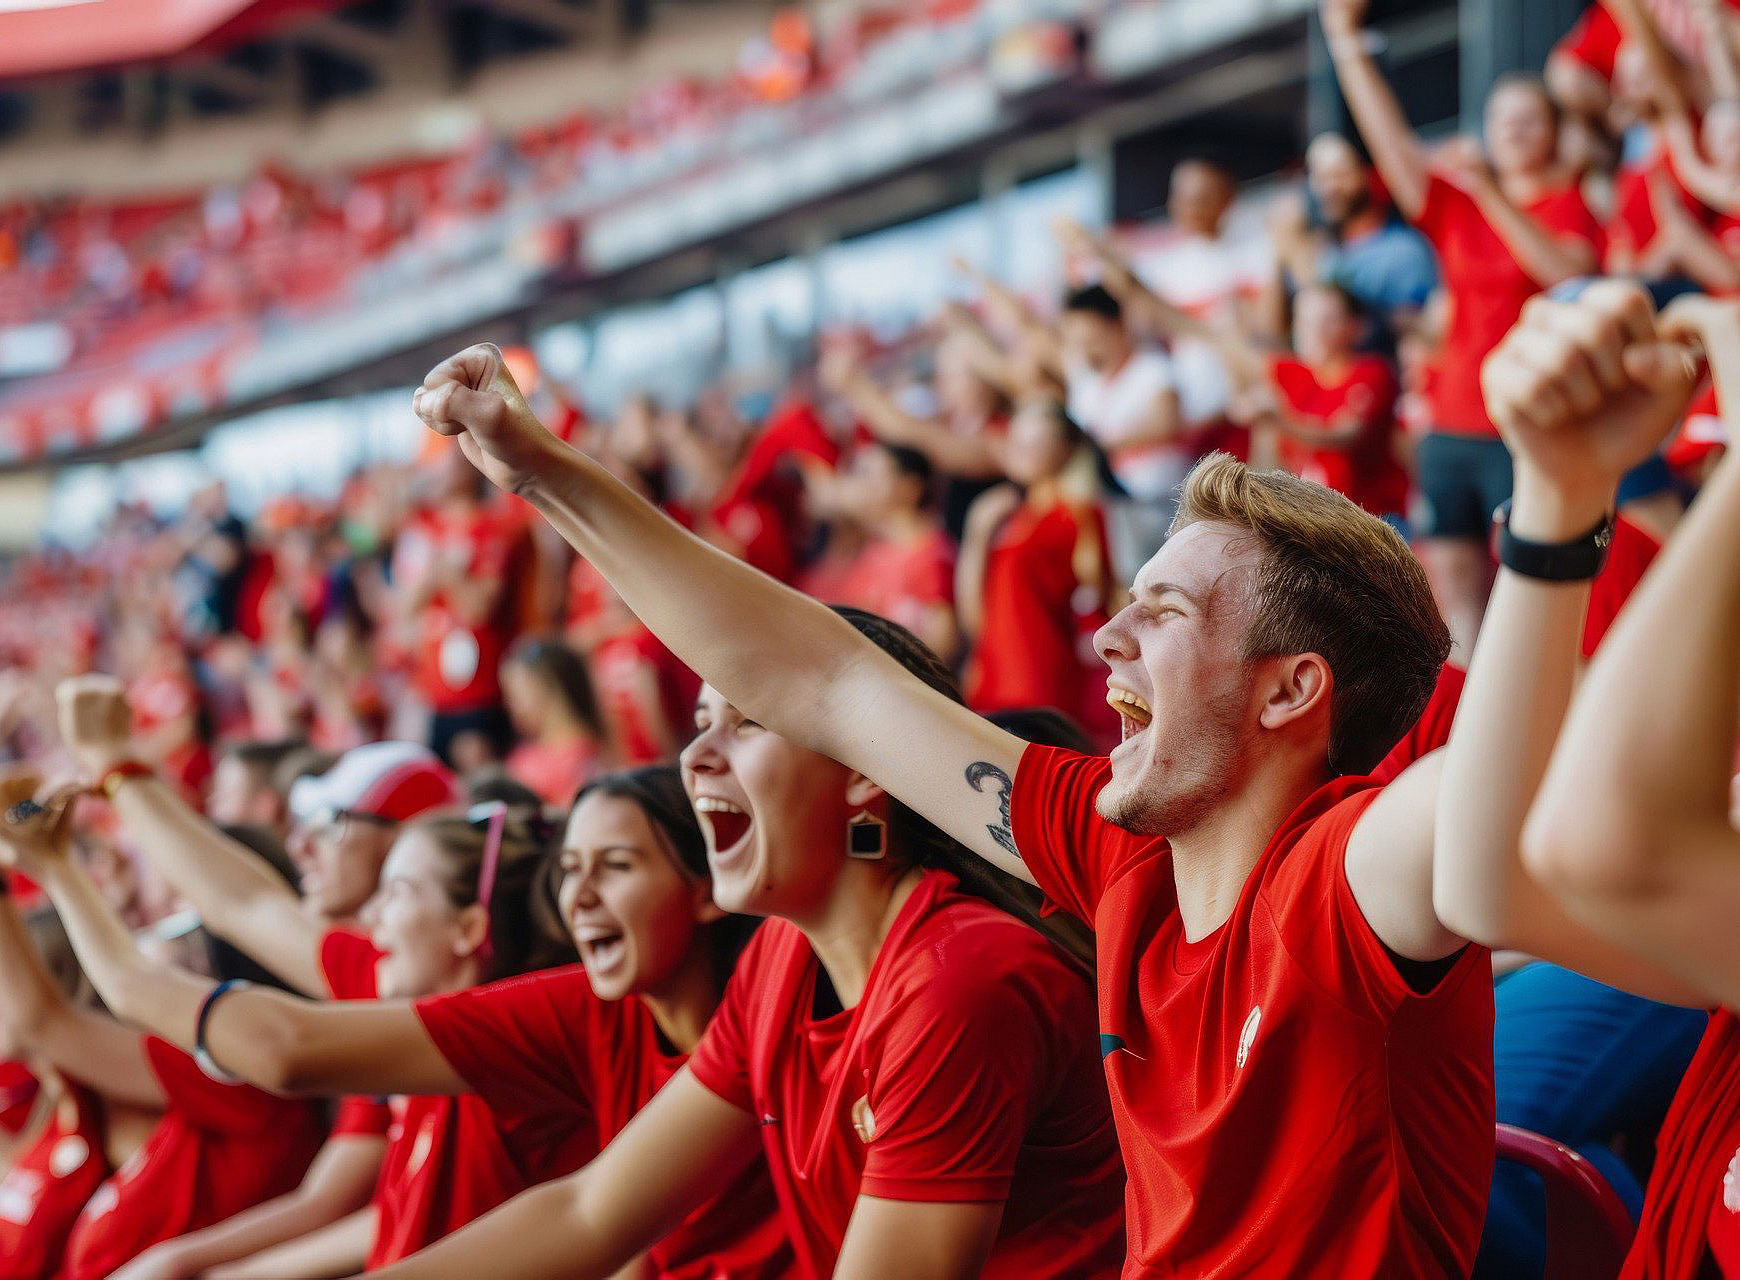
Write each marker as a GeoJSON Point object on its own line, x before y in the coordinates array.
{"type": "Point", "coordinates": [703, 754]}
{"type": "Point", "coordinates": [1113, 641]}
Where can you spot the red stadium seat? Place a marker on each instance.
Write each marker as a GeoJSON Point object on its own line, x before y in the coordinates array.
{"type": "Point", "coordinates": [1588, 1226]}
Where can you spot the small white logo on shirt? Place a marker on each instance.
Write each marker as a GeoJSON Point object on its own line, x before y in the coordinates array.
{"type": "Point", "coordinates": [1248, 1037]}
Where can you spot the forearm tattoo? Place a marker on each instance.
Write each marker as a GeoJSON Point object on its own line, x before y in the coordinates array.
{"type": "Point", "coordinates": [978, 774]}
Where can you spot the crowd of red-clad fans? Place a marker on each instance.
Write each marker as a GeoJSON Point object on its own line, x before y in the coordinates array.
{"type": "Point", "coordinates": [337, 737]}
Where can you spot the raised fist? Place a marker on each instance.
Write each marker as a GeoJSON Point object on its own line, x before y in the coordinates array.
{"type": "Point", "coordinates": [96, 724]}
{"type": "Point", "coordinates": [1583, 391]}
{"type": "Point", "coordinates": [35, 824]}
{"type": "Point", "coordinates": [473, 397]}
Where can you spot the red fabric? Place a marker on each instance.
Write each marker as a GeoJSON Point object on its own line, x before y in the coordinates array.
{"type": "Point", "coordinates": [18, 1090]}
{"type": "Point", "coordinates": [1431, 730]}
{"type": "Point", "coordinates": [1367, 471]}
{"type": "Point", "coordinates": [970, 1051]}
{"type": "Point", "coordinates": [1724, 1229]}
{"type": "Point", "coordinates": [1596, 38]}
{"type": "Point", "coordinates": [44, 1191]}
{"type": "Point", "coordinates": [219, 1149]}
{"type": "Point", "coordinates": [1632, 552]}
{"type": "Point", "coordinates": [1702, 436]}
{"type": "Point", "coordinates": [1036, 631]}
{"type": "Point", "coordinates": [546, 1053]}
{"type": "Point", "coordinates": [554, 770]}
{"type": "Point", "coordinates": [448, 1160]}
{"type": "Point", "coordinates": [1698, 1140]}
{"type": "Point", "coordinates": [760, 508]}
{"type": "Point", "coordinates": [1487, 287]}
{"type": "Point", "coordinates": [629, 671]}
{"type": "Point", "coordinates": [1287, 1104]}
{"type": "Point", "coordinates": [1634, 220]}
{"type": "Point", "coordinates": [458, 665]}
{"type": "Point", "coordinates": [902, 582]}
{"type": "Point", "coordinates": [361, 1118]}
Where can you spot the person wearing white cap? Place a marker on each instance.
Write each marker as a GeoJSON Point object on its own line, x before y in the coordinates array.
{"type": "Point", "coordinates": [344, 822]}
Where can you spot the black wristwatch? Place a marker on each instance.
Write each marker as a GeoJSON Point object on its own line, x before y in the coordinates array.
{"type": "Point", "coordinates": [1576, 561]}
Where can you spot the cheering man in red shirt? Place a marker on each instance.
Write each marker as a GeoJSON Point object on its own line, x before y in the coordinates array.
{"type": "Point", "coordinates": [1298, 1048]}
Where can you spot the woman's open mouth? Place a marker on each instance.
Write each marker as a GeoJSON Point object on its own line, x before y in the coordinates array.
{"type": "Point", "coordinates": [726, 826]}
{"type": "Point", "coordinates": [602, 950]}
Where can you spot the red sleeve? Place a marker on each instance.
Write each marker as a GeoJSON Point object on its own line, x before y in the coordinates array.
{"type": "Point", "coordinates": [1073, 853]}
{"type": "Point", "coordinates": [950, 1117]}
{"type": "Point", "coordinates": [721, 1060]}
{"type": "Point", "coordinates": [362, 1118]}
{"type": "Point", "coordinates": [347, 962]}
{"type": "Point", "coordinates": [1569, 217]}
{"type": "Point", "coordinates": [1378, 384]}
{"type": "Point", "coordinates": [1628, 559]}
{"type": "Point", "coordinates": [521, 1044]}
{"type": "Point", "coordinates": [1594, 41]}
{"type": "Point", "coordinates": [1431, 730]}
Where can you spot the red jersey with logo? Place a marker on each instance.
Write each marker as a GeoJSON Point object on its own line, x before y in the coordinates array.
{"type": "Point", "coordinates": [1365, 470]}
{"type": "Point", "coordinates": [219, 1149]}
{"type": "Point", "coordinates": [544, 1050]}
{"type": "Point", "coordinates": [1487, 288]}
{"type": "Point", "coordinates": [449, 1160]}
{"type": "Point", "coordinates": [970, 1062]}
{"type": "Point", "coordinates": [457, 662]}
{"type": "Point", "coordinates": [1698, 1142]}
{"type": "Point", "coordinates": [43, 1193]}
{"type": "Point", "coordinates": [1287, 1104]}
{"type": "Point", "coordinates": [1045, 587]}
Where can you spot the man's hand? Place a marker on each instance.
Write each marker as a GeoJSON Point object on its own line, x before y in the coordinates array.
{"type": "Point", "coordinates": [1713, 325]}
{"type": "Point", "coordinates": [96, 724]}
{"type": "Point", "coordinates": [473, 397]}
{"type": "Point", "coordinates": [1582, 392]}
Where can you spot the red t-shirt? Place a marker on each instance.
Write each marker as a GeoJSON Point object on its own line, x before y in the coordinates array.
{"type": "Point", "coordinates": [1035, 646]}
{"type": "Point", "coordinates": [544, 1050]}
{"type": "Point", "coordinates": [633, 673]}
{"type": "Point", "coordinates": [1487, 288]}
{"type": "Point", "coordinates": [449, 1160]}
{"type": "Point", "coordinates": [554, 770]}
{"type": "Point", "coordinates": [43, 1193]}
{"type": "Point", "coordinates": [18, 1090]}
{"type": "Point", "coordinates": [972, 1051]}
{"type": "Point", "coordinates": [1596, 38]}
{"type": "Point", "coordinates": [1288, 1105]}
{"type": "Point", "coordinates": [902, 582]}
{"type": "Point", "coordinates": [1367, 471]}
{"type": "Point", "coordinates": [1633, 222]}
{"type": "Point", "coordinates": [219, 1149]}
{"type": "Point", "coordinates": [1698, 1141]}
{"type": "Point", "coordinates": [457, 665]}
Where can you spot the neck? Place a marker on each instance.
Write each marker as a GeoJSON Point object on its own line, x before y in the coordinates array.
{"type": "Point", "coordinates": [1361, 223]}
{"type": "Point", "coordinates": [685, 1003]}
{"type": "Point", "coordinates": [467, 974]}
{"type": "Point", "coordinates": [1524, 186]}
{"type": "Point", "coordinates": [1212, 861]}
{"type": "Point", "coordinates": [848, 927]}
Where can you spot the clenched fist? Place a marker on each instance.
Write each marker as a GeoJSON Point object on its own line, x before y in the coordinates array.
{"type": "Point", "coordinates": [96, 724]}
{"type": "Point", "coordinates": [1583, 391]}
{"type": "Point", "coordinates": [473, 397]}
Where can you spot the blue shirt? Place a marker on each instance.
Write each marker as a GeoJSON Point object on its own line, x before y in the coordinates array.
{"type": "Point", "coordinates": [1386, 269]}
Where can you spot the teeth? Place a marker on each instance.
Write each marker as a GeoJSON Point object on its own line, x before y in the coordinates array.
{"type": "Point", "coordinates": [713, 804]}
{"type": "Point", "coordinates": [1128, 704]}
{"type": "Point", "coordinates": [588, 936]}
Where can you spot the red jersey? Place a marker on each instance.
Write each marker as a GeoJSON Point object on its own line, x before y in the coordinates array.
{"type": "Point", "coordinates": [1697, 1143]}
{"type": "Point", "coordinates": [449, 1160]}
{"type": "Point", "coordinates": [219, 1149]}
{"type": "Point", "coordinates": [555, 770]}
{"type": "Point", "coordinates": [457, 664]}
{"type": "Point", "coordinates": [1288, 1105]}
{"type": "Point", "coordinates": [1366, 470]}
{"type": "Point", "coordinates": [636, 677]}
{"type": "Point", "coordinates": [1044, 597]}
{"type": "Point", "coordinates": [969, 1058]}
{"type": "Point", "coordinates": [900, 581]}
{"type": "Point", "coordinates": [18, 1090]}
{"type": "Point", "coordinates": [1431, 730]}
{"type": "Point", "coordinates": [543, 1050]}
{"type": "Point", "coordinates": [1487, 288]}
{"type": "Point", "coordinates": [42, 1194]}
{"type": "Point", "coordinates": [1634, 223]}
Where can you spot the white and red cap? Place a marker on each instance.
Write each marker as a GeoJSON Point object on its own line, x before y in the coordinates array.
{"type": "Point", "coordinates": [390, 781]}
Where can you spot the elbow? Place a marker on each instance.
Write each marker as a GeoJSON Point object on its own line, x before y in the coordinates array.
{"type": "Point", "coordinates": [279, 1056]}
{"type": "Point", "coordinates": [1579, 850]}
{"type": "Point", "coordinates": [1482, 916]}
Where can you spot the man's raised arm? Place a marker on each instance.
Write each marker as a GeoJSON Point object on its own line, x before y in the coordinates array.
{"type": "Point", "coordinates": [782, 659]}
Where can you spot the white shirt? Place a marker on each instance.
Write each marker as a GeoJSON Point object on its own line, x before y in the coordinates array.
{"type": "Point", "coordinates": [1117, 409]}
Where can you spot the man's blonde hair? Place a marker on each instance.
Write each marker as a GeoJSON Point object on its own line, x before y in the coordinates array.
{"type": "Point", "coordinates": [1338, 582]}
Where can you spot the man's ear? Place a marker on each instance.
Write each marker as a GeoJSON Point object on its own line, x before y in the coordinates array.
{"type": "Point", "coordinates": [1300, 687]}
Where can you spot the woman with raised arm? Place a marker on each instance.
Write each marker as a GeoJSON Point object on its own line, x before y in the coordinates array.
{"type": "Point", "coordinates": [1634, 830]}
{"type": "Point", "coordinates": [454, 909]}
{"type": "Point", "coordinates": [559, 1060]}
{"type": "Point", "coordinates": [913, 1063]}
{"type": "Point", "coordinates": [220, 1148]}
{"type": "Point", "coordinates": [1507, 221]}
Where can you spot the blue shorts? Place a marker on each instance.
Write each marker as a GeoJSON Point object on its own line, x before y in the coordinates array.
{"type": "Point", "coordinates": [1461, 481]}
